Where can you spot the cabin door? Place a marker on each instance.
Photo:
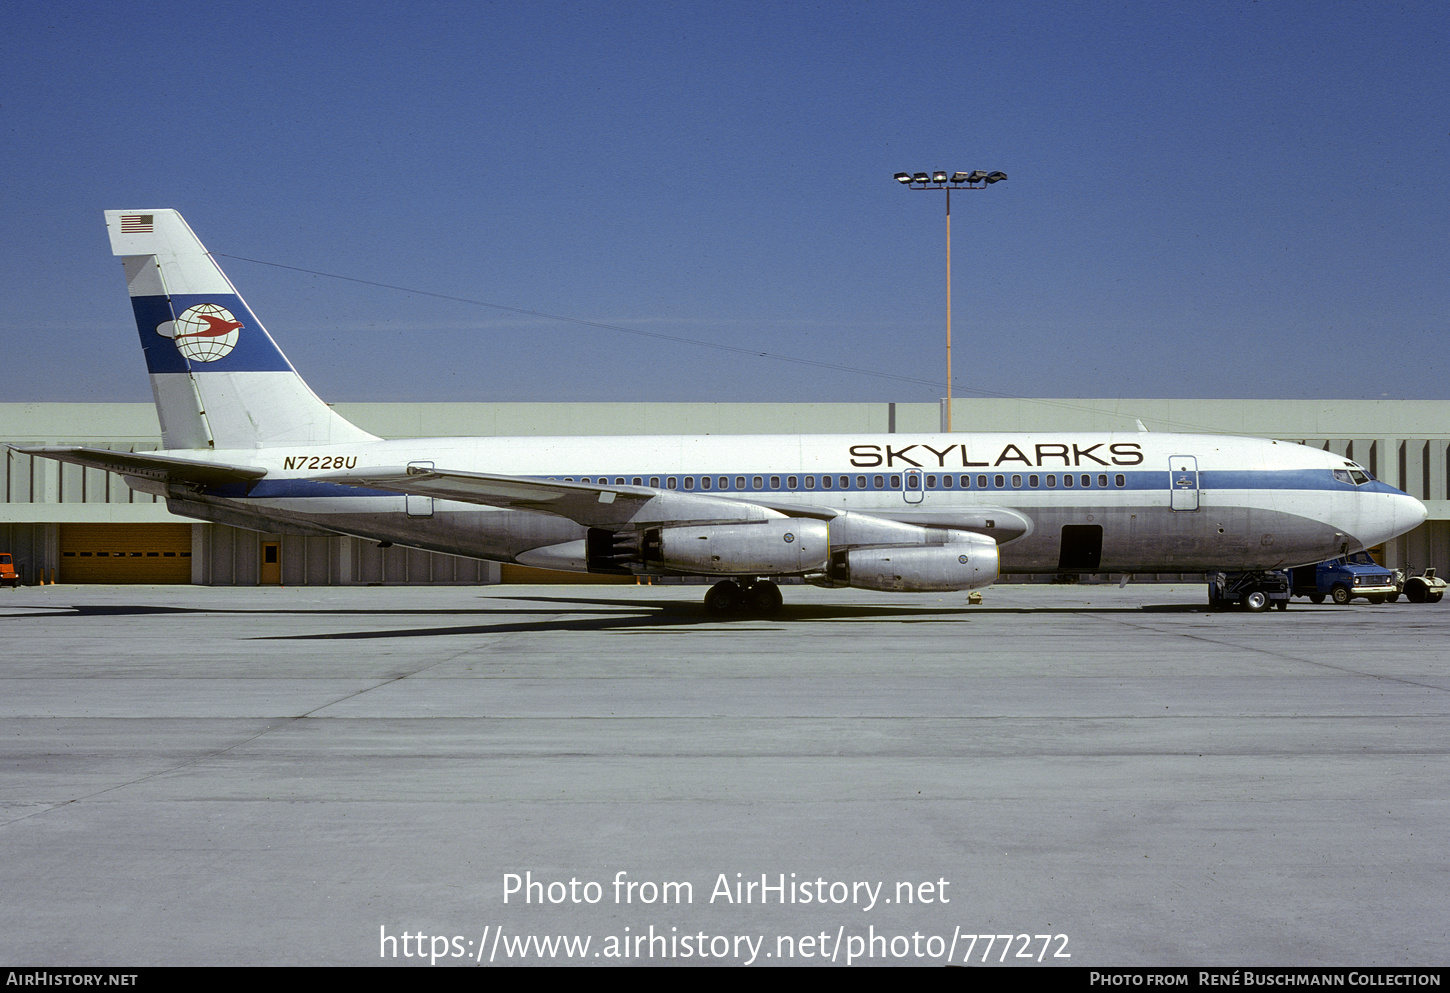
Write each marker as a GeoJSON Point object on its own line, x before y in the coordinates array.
{"type": "Point", "coordinates": [419, 506]}
{"type": "Point", "coordinates": [1183, 482]}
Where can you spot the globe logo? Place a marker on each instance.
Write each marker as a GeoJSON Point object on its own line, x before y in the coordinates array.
{"type": "Point", "coordinates": [203, 333]}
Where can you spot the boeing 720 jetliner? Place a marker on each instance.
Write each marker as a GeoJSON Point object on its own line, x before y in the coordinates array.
{"type": "Point", "coordinates": [247, 443]}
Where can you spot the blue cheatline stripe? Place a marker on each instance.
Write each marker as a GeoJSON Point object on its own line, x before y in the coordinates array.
{"type": "Point", "coordinates": [255, 351]}
{"type": "Point", "coordinates": [1139, 481]}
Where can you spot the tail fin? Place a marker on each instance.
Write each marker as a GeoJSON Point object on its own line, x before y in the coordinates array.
{"type": "Point", "coordinates": [219, 379]}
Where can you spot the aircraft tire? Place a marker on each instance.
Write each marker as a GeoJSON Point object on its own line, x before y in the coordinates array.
{"type": "Point", "coordinates": [763, 599]}
{"type": "Point", "coordinates": [1340, 594]}
{"type": "Point", "coordinates": [724, 598]}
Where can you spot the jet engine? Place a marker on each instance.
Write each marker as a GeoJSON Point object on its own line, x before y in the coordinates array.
{"type": "Point", "coordinates": [967, 562]}
{"type": "Point", "coordinates": [778, 547]}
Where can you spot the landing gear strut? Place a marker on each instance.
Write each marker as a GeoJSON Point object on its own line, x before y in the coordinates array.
{"type": "Point", "coordinates": [748, 598]}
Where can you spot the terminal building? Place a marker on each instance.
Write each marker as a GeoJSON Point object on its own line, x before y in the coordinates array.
{"type": "Point", "coordinates": [68, 524]}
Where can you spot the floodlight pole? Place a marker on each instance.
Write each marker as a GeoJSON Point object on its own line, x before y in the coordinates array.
{"type": "Point", "coordinates": [959, 181]}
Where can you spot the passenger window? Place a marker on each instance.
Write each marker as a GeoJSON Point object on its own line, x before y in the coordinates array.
{"type": "Point", "coordinates": [1102, 479]}
{"type": "Point", "coordinates": [1066, 479]}
{"type": "Point", "coordinates": [1051, 481]}
{"type": "Point", "coordinates": [880, 482]}
{"type": "Point", "coordinates": [638, 481]}
{"type": "Point", "coordinates": [724, 482]}
{"type": "Point", "coordinates": [704, 483]}
{"type": "Point", "coordinates": [740, 482]}
{"type": "Point", "coordinates": [670, 482]}
{"type": "Point", "coordinates": [1120, 480]}
{"type": "Point", "coordinates": [775, 482]}
{"type": "Point", "coordinates": [758, 481]}
{"type": "Point", "coordinates": [999, 481]}
{"type": "Point", "coordinates": [1032, 480]}
{"type": "Point", "coordinates": [655, 482]}
{"type": "Point", "coordinates": [845, 482]}
{"type": "Point", "coordinates": [690, 482]}
{"type": "Point", "coordinates": [1087, 480]}
{"type": "Point", "coordinates": [825, 482]}
{"type": "Point", "coordinates": [931, 482]}
{"type": "Point", "coordinates": [791, 482]}
{"type": "Point", "coordinates": [896, 482]}
{"type": "Point", "coordinates": [946, 482]}
{"type": "Point", "coordinates": [1016, 482]}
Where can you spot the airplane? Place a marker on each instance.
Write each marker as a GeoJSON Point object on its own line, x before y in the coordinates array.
{"type": "Point", "coordinates": [247, 443]}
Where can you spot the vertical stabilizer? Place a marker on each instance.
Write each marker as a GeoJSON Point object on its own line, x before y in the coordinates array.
{"type": "Point", "coordinates": [219, 379]}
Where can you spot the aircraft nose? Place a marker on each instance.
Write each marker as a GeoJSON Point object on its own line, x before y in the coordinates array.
{"type": "Point", "coordinates": [1390, 516]}
{"type": "Point", "coordinates": [1415, 512]}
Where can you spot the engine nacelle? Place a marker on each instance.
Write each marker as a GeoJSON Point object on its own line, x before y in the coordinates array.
{"type": "Point", "coordinates": [968, 562]}
{"type": "Point", "coordinates": [779, 547]}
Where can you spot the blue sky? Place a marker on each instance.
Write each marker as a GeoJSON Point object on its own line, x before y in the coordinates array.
{"type": "Point", "coordinates": [1205, 199]}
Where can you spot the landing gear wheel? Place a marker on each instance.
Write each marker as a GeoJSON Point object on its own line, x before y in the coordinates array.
{"type": "Point", "coordinates": [1340, 594]}
{"type": "Point", "coordinates": [1256, 601]}
{"type": "Point", "coordinates": [724, 598]}
{"type": "Point", "coordinates": [763, 599]}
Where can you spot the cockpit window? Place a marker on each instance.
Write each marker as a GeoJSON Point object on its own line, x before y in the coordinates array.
{"type": "Point", "coordinates": [1352, 474]}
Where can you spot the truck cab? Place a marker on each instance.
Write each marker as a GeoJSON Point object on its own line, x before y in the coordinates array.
{"type": "Point", "coordinates": [1344, 578]}
{"type": "Point", "coordinates": [8, 575]}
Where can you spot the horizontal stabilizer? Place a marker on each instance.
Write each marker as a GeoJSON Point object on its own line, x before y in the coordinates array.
{"type": "Point", "coordinates": [158, 467]}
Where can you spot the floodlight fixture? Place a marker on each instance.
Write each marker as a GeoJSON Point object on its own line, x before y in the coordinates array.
{"type": "Point", "coordinates": [958, 180]}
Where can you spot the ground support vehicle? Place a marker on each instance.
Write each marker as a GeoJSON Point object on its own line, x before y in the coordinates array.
{"type": "Point", "coordinates": [1253, 591]}
{"type": "Point", "coordinates": [8, 576]}
{"type": "Point", "coordinates": [1345, 578]}
{"type": "Point", "coordinates": [1424, 588]}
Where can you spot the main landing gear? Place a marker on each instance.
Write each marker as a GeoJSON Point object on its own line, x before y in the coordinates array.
{"type": "Point", "coordinates": [744, 598]}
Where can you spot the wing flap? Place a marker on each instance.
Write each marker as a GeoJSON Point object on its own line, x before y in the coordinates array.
{"type": "Point", "coordinates": [593, 505]}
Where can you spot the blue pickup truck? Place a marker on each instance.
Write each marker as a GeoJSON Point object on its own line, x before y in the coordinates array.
{"type": "Point", "coordinates": [1345, 578]}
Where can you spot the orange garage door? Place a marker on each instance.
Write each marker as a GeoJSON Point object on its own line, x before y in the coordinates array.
{"type": "Point", "coordinates": [125, 553]}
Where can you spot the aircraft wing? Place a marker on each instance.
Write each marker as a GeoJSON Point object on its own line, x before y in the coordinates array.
{"type": "Point", "coordinates": [593, 505]}
{"type": "Point", "coordinates": [163, 468]}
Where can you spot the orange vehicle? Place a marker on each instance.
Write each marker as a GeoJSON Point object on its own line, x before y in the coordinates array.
{"type": "Point", "coordinates": [7, 571]}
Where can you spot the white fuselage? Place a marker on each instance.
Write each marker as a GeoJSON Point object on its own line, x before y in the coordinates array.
{"type": "Point", "coordinates": [1123, 502]}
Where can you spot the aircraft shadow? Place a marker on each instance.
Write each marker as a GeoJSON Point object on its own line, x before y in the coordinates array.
{"type": "Point", "coordinates": [600, 614]}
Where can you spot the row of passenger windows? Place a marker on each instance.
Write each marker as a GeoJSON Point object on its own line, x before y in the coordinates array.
{"type": "Point", "coordinates": [932, 481]}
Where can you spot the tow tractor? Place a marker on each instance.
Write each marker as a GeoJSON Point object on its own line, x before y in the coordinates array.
{"type": "Point", "coordinates": [1253, 591]}
{"type": "Point", "coordinates": [1424, 588]}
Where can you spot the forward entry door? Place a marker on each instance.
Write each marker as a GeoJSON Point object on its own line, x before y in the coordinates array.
{"type": "Point", "coordinates": [1183, 482]}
